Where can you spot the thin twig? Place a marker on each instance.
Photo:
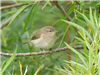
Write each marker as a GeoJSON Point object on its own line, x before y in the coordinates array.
{"type": "Point", "coordinates": [77, 2]}
{"type": "Point", "coordinates": [14, 5]}
{"type": "Point", "coordinates": [11, 6]}
{"type": "Point", "coordinates": [61, 9]}
{"type": "Point", "coordinates": [69, 3]}
{"type": "Point", "coordinates": [48, 64]}
{"type": "Point", "coordinates": [6, 3]}
{"type": "Point", "coordinates": [20, 65]}
{"type": "Point", "coordinates": [68, 39]}
{"type": "Point", "coordinates": [41, 53]}
{"type": "Point", "coordinates": [8, 20]}
{"type": "Point", "coordinates": [17, 5]}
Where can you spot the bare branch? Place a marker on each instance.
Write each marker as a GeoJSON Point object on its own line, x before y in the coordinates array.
{"type": "Point", "coordinates": [11, 6]}
{"type": "Point", "coordinates": [48, 64]}
{"type": "Point", "coordinates": [41, 53]}
{"type": "Point", "coordinates": [69, 3]}
{"type": "Point", "coordinates": [77, 2]}
{"type": "Point", "coordinates": [6, 3]}
{"type": "Point", "coordinates": [8, 20]}
{"type": "Point", "coordinates": [61, 9]}
{"type": "Point", "coordinates": [17, 5]}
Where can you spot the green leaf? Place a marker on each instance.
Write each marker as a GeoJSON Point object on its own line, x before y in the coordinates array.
{"type": "Point", "coordinates": [68, 13]}
{"type": "Point", "coordinates": [95, 18]}
{"type": "Point", "coordinates": [82, 3]}
{"type": "Point", "coordinates": [79, 39]}
{"type": "Point", "coordinates": [8, 62]}
{"type": "Point", "coordinates": [25, 1]}
{"type": "Point", "coordinates": [28, 18]}
{"type": "Point", "coordinates": [10, 12]}
{"type": "Point", "coordinates": [3, 39]}
{"type": "Point", "coordinates": [87, 20]}
{"type": "Point", "coordinates": [81, 21]}
{"type": "Point", "coordinates": [86, 52]}
{"type": "Point", "coordinates": [79, 54]}
{"type": "Point", "coordinates": [47, 2]}
{"type": "Point", "coordinates": [98, 3]}
{"type": "Point", "coordinates": [57, 14]}
{"type": "Point", "coordinates": [18, 13]}
{"type": "Point", "coordinates": [99, 62]}
{"type": "Point", "coordinates": [82, 67]}
{"type": "Point", "coordinates": [91, 16]}
{"type": "Point", "coordinates": [18, 23]}
{"type": "Point", "coordinates": [36, 73]}
{"type": "Point", "coordinates": [63, 36]}
{"type": "Point", "coordinates": [76, 25]}
{"type": "Point", "coordinates": [35, 11]}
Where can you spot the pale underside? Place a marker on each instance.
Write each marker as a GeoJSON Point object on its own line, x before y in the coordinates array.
{"type": "Point", "coordinates": [44, 43]}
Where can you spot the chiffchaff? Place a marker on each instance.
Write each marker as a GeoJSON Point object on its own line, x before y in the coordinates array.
{"type": "Point", "coordinates": [44, 38]}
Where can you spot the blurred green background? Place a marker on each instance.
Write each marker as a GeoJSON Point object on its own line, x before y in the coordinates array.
{"type": "Point", "coordinates": [28, 22]}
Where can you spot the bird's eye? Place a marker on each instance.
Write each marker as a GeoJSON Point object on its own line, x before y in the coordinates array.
{"type": "Point", "coordinates": [50, 31]}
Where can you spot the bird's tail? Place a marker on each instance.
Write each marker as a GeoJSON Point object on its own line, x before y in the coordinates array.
{"type": "Point", "coordinates": [26, 42]}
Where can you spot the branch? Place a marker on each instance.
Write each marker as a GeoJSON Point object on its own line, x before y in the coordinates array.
{"type": "Point", "coordinates": [7, 21]}
{"type": "Point", "coordinates": [17, 5]}
{"type": "Point", "coordinates": [41, 53]}
{"type": "Point", "coordinates": [77, 2]}
{"type": "Point", "coordinates": [49, 63]}
{"type": "Point", "coordinates": [69, 3]}
{"type": "Point", "coordinates": [61, 9]}
{"type": "Point", "coordinates": [99, 9]}
{"type": "Point", "coordinates": [6, 3]}
{"type": "Point", "coordinates": [11, 6]}
{"type": "Point", "coordinates": [7, 7]}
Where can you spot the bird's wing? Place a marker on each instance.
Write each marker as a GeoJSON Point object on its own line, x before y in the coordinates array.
{"type": "Point", "coordinates": [26, 42]}
{"type": "Point", "coordinates": [38, 34]}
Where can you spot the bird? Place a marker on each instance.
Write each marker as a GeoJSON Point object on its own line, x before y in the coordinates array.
{"type": "Point", "coordinates": [44, 39]}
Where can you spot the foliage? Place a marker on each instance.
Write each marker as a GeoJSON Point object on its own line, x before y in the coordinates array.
{"type": "Point", "coordinates": [90, 57]}
{"type": "Point", "coordinates": [29, 18]}
{"type": "Point", "coordinates": [8, 62]}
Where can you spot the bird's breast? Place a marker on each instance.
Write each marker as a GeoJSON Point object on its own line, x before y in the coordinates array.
{"type": "Point", "coordinates": [44, 43]}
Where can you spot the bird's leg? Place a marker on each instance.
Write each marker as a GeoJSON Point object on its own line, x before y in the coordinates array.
{"type": "Point", "coordinates": [42, 49]}
{"type": "Point", "coordinates": [50, 49]}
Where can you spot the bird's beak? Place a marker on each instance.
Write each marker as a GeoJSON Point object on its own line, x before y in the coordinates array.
{"type": "Point", "coordinates": [55, 31]}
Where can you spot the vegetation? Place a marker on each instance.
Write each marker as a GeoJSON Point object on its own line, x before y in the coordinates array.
{"type": "Point", "coordinates": [79, 21]}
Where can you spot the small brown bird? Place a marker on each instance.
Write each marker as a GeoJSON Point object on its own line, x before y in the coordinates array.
{"type": "Point", "coordinates": [44, 38]}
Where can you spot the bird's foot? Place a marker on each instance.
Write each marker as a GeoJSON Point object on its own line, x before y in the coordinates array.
{"type": "Point", "coordinates": [50, 49]}
{"type": "Point", "coordinates": [43, 50]}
